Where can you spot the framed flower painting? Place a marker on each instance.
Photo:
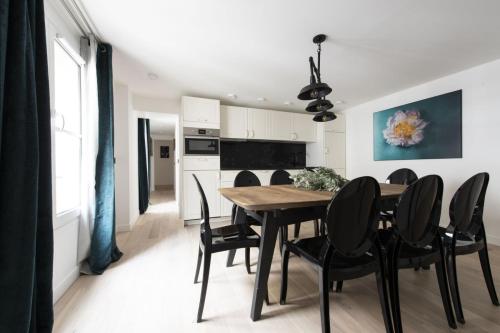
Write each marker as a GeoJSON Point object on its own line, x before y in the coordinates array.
{"type": "Point", "coordinates": [427, 129]}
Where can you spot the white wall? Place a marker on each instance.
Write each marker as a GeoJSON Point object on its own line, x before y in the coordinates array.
{"type": "Point", "coordinates": [481, 149]}
{"type": "Point", "coordinates": [122, 134]}
{"type": "Point", "coordinates": [164, 167]}
{"type": "Point", "coordinates": [66, 266]}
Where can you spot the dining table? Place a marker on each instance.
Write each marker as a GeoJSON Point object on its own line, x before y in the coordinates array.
{"type": "Point", "coordinates": [277, 206]}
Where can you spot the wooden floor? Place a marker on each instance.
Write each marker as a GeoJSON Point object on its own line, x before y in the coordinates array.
{"type": "Point", "coordinates": [150, 290]}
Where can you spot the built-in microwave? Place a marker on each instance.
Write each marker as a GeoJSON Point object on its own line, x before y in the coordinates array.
{"type": "Point", "coordinates": [201, 141]}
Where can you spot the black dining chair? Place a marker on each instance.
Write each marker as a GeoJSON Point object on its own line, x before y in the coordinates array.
{"type": "Point", "coordinates": [243, 178]}
{"type": "Point", "coordinates": [213, 240]}
{"type": "Point", "coordinates": [402, 176]}
{"type": "Point", "coordinates": [414, 240]}
{"type": "Point", "coordinates": [349, 250]}
{"type": "Point", "coordinates": [466, 234]}
{"type": "Point", "coordinates": [282, 177]}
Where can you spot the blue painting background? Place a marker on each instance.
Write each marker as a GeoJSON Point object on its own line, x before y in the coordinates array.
{"type": "Point", "coordinates": [442, 135]}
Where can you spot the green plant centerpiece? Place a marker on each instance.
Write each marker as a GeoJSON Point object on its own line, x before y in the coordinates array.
{"type": "Point", "coordinates": [319, 179]}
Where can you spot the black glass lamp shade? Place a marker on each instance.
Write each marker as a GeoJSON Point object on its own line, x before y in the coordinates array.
{"type": "Point", "coordinates": [319, 105]}
{"type": "Point", "coordinates": [314, 91]}
{"type": "Point", "coordinates": [325, 116]}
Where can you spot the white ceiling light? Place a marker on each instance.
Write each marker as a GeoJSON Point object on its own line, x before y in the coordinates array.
{"type": "Point", "coordinates": [261, 99]}
{"type": "Point", "coordinates": [287, 103]}
{"type": "Point", "coordinates": [233, 96]}
{"type": "Point", "coordinates": [153, 76]}
{"type": "Point", "coordinates": [339, 102]}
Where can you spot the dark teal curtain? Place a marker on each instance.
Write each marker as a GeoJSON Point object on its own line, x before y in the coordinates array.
{"type": "Point", "coordinates": [149, 154]}
{"type": "Point", "coordinates": [103, 249]}
{"type": "Point", "coordinates": [143, 165]}
{"type": "Point", "coordinates": [26, 241]}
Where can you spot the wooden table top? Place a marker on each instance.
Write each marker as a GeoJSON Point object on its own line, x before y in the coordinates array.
{"type": "Point", "coordinates": [261, 198]}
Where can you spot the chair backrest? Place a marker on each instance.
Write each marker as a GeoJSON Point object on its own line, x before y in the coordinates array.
{"type": "Point", "coordinates": [246, 178]}
{"type": "Point", "coordinates": [280, 177]}
{"type": "Point", "coordinates": [466, 206]}
{"type": "Point", "coordinates": [205, 214]}
{"type": "Point", "coordinates": [402, 176]}
{"type": "Point", "coordinates": [352, 216]}
{"type": "Point", "coordinates": [419, 210]}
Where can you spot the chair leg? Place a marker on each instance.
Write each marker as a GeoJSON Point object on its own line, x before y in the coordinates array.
{"type": "Point", "coordinates": [385, 304]}
{"type": "Point", "coordinates": [324, 299]}
{"type": "Point", "coordinates": [485, 265]}
{"type": "Point", "coordinates": [316, 228]}
{"type": "Point", "coordinates": [453, 282]}
{"type": "Point", "coordinates": [338, 287]}
{"type": "Point", "coordinates": [204, 284]}
{"type": "Point", "coordinates": [284, 274]}
{"type": "Point", "coordinates": [296, 230]}
{"type": "Point", "coordinates": [443, 287]}
{"type": "Point", "coordinates": [394, 287]}
{"type": "Point", "coordinates": [198, 264]}
{"type": "Point", "coordinates": [247, 260]}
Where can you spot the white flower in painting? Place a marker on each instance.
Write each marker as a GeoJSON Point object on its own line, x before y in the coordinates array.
{"type": "Point", "coordinates": [404, 128]}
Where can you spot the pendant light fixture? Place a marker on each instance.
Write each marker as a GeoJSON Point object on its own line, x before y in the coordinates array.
{"type": "Point", "coordinates": [317, 90]}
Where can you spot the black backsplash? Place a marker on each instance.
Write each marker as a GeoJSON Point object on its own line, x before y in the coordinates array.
{"type": "Point", "coordinates": [256, 155]}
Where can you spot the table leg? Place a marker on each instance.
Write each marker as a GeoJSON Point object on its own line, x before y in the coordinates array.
{"type": "Point", "coordinates": [239, 218]}
{"type": "Point", "coordinates": [266, 251]}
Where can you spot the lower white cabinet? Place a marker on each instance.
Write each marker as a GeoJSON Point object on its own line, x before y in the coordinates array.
{"type": "Point", "coordinates": [210, 181]}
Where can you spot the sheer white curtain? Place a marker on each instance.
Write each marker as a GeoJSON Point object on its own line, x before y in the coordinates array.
{"type": "Point", "coordinates": [90, 117]}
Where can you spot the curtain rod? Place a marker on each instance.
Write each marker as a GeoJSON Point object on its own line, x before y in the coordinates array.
{"type": "Point", "coordinates": [79, 16]}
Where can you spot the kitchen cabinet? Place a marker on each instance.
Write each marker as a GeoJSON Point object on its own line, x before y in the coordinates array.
{"type": "Point", "coordinates": [258, 124]}
{"type": "Point", "coordinates": [210, 181]}
{"type": "Point", "coordinates": [233, 122]}
{"type": "Point", "coordinates": [281, 125]}
{"type": "Point", "coordinates": [303, 127]}
{"type": "Point", "coordinates": [200, 112]}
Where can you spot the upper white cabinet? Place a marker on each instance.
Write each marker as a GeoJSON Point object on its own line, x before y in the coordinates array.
{"type": "Point", "coordinates": [303, 128]}
{"type": "Point", "coordinates": [233, 122]}
{"type": "Point", "coordinates": [281, 125]}
{"type": "Point", "coordinates": [258, 124]}
{"type": "Point", "coordinates": [200, 112]}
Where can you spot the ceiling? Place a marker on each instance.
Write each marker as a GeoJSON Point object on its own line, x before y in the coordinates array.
{"type": "Point", "coordinates": [259, 48]}
{"type": "Point", "coordinates": [165, 127]}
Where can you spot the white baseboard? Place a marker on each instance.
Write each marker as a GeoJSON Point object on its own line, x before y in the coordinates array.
{"type": "Point", "coordinates": [123, 228]}
{"type": "Point", "coordinates": [212, 219]}
{"type": "Point", "coordinates": [493, 239]}
{"type": "Point", "coordinates": [61, 288]}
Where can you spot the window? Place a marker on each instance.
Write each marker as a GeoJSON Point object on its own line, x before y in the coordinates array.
{"type": "Point", "coordinates": [68, 134]}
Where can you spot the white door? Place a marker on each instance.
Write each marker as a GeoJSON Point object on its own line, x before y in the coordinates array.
{"type": "Point", "coordinates": [233, 122]}
{"type": "Point", "coordinates": [281, 125]}
{"type": "Point", "coordinates": [335, 150]}
{"type": "Point", "coordinates": [258, 124]}
{"type": "Point", "coordinates": [304, 128]}
{"type": "Point", "coordinates": [337, 125]}
{"type": "Point", "coordinates": [209, 180]}
{"type": "Point", "coordinates": [264, 176]}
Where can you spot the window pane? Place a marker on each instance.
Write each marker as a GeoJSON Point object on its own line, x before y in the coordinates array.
{"type": "Point", "coordinates": [67, 171]}
{"type": "Point", "coordinates": [68, 129]}
{"type": "Point", "coordinates": [67, 88]}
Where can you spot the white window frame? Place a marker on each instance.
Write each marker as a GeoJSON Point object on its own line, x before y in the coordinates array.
{"type": "Point", "coordinates": [65, 217]}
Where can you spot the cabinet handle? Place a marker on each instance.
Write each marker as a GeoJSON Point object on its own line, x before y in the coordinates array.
{"type": "Point", "coordinates": [327, 151]}
{"type": "Point", "coordinates": [247, 133]}
{"type": "Point", "coordinates": [253, 133]}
